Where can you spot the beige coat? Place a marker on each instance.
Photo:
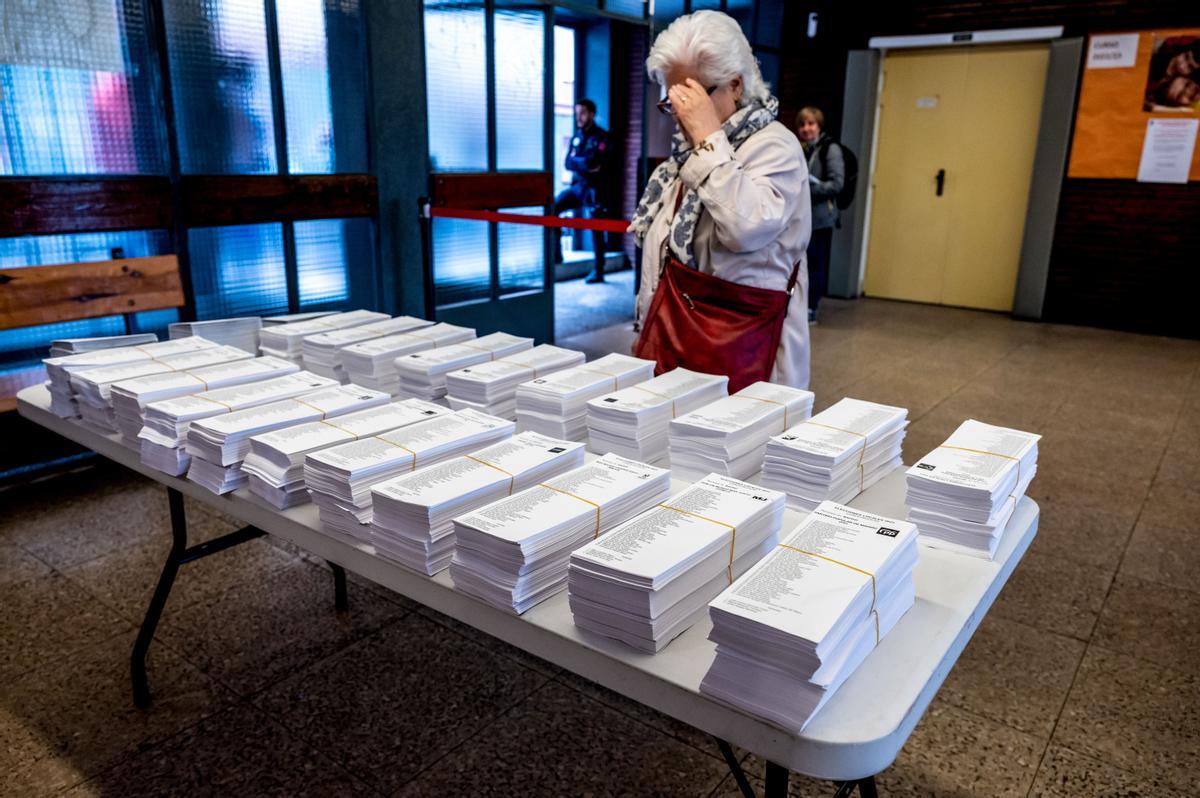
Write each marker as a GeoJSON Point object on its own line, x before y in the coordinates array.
{"type": "Point", "coordinates": [755, 226]}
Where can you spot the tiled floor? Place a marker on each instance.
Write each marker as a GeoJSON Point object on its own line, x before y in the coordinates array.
{"type": "Point", "coordinates": [1082, 681]}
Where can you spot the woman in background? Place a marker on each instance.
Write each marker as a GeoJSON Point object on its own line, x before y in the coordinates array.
{"type": "Point", "coordinates": [826, 177]}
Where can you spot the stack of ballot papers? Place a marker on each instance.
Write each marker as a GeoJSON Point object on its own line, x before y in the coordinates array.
{"type": "Point", "coordinates": [413, 513]}
{"type": "Point", "coordinates": [423, 374]}
{"type": "Point", "coordinates": [275, 464]}
{"type": "Point", "coordinates": [513, 553]}
{"type": "Point", "coordinates": [836, 454]}
{"type": "Point", "coordinates": [557, 405]}
{"type": "Point", "coordinates": [292, 318]}
{"type": "Point", "coordinates": [74, 346]}
{"type": "Point", "coordinates": [164, 436]}
{"type": "Point", "coordinates": [373, 363]}
{"type": "Point", "coordinates": [492, 387]}
{"type": "Point", "coordinates": [93, 387]}
{"type": "Point", "coordinates": [323, 351]}
{"type": "Point", "coordinates": [794, 627]}
{"type": "Point", "coordinates": [218, 445]}
{"type": "Point", "coordinates": [633, 422]}
{"type": "Point", "coordinates": [287, 340]}
{"type": "Point", "coordinates": [649, 580]}
{"type": "Point", "coordinates": [962, 494]}
{"type": "Point", "coordinates": [241, 332]}
{"type": "Point", "coordinates": [730, 436]}
{"type": "Point", "coordinates": [60, 369]}
{"type": "Point", "coordinates": [340, 478]}
{"type": "Point", "coordinates": [130, 397]}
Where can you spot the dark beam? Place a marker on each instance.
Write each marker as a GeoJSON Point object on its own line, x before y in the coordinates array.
{"type": "Point", "coordinates": [210, 200]}
{"type": "Point", "coordinates": [490, 190]}
{"type": "Point", "coordinates": [41, 206]}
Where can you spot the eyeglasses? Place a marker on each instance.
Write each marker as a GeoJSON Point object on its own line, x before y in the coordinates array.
{"type": "Point", "coordinates": [667, 108]}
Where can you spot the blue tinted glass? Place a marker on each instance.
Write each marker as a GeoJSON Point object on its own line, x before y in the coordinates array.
{"type": "Point", "coordinates": [768, 64]}
{"type": "Point", "coordinates": [522, 254]}
{"type": "Point", "coordinates": [520, 89]}
{"type": "Point", "coordinates": [456, 85]}
{"type": "Point", "coordinates": [628, 8]}
{"type": "Point", "coordinates": [665, 11]}
{"type": "Point", "coordinates": [698, 5]}
{"type": "Point", "coordinates": [323, 136]}
{"type": "Point", "coordinates": [335, 263]}
{"type": "Point", "coordinates": [743, 12]}
{"type": "Point", "coordinates": [769, 23]}
{"type": "Point", "coordinates": [461, 261]}
{"type": "Point", "coordinates": [221, 85]}
{"type": "Point", "coordinates": [29, 344]}
{"type": "Point", "coordinates": [77, 94]}
{"type": "Point", "coordinates": [238, 271]}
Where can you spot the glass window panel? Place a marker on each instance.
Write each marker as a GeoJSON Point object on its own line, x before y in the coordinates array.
{"type": "Point", "coordinates": [768, 64]}
{"type": "Point", "coordinates": [564, 101]}
{"type": "Point", "coordinates": [221, 85]}
{"type": "Point", "coordinates": [24, 345]}
{"type": "Point", "coordinates": [743, 12]}
{"type": "Point", "coordinates": [629, 8]}
{"type": "Point", "coordinates": [335, 263]}
{"type": "Point", "coordinates": [77, 94]}
{"type": "Point", "coordinates": [665, 11]}
{"type": "Point", "coordinates": [700, 5]}
{"type": "Point", "coordinates": [456, 85]}
{"type": "Point", "coordinates": [769, 23]}
{"type": "Point", "coordinates": [522, 254]}
{"type": "Point", "coordinates": [238, 271]}
{"type": "Point", "coordinates": [520, 89]}
{"type": "Point", "coordinates": [322, 136]}
{"type": "Point", "coordinates": [461, 261]}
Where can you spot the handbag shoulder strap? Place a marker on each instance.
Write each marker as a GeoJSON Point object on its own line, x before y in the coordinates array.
{"type": "Point", "coordinates": [791, 283]}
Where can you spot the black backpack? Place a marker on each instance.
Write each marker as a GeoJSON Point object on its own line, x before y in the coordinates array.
{"type": "Point", "coordinates": [850, 184]}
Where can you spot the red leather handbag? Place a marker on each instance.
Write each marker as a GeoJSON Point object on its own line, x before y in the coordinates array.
{"type": "Point", "coordinates": [704, 323]}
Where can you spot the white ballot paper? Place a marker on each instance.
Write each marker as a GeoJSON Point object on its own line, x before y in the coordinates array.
{"type": "Point", "coordinates": [648, 580]}
{"type": "Point", "coordinates": [167, 421]}
{"type": "Point", "coordinates": [218, 445]}
{"type": "Point", "coordinates": [373, 363]}
{"type": "Point", "coordinates": [513, 553]}
{"type": "Point", "coordinates": [730, 435]}
{"type": "Point", "coordinates": [74, 346]}
{"type": "Point", "coordinates": [557, 405]}
{"type": "Point", "coordinates": [836, 454]}
{"type": "Point", "coordinates": [492, 387]}
{"type": "Point", "coordinates": [413, 513]}
{"type": "Point", "coordinates": [423, 374]}
{"type": "Point", "coordinates": [340, 478]}
{"type": "Point", "coordinates": [241, 332]}
{"type": "Point", "coordinates": [275, 464]}
{"type": "Point", "coordinates": [287, 340]}
{"type": "Point", "coordinates": [793, 628]}
{"type": "Point", "coordinates": [322, 352]}
{"type": "Point", "coordinates": [130, 397]}
{"type": "Point", "coordinates": [633, 422]}
{"type": "Point", "coordinates": [963, 493]}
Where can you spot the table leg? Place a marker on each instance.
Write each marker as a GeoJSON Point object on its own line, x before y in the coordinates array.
{"type": "Point", "coordinates": [341, 599]}
{"type": "Point", "coordinates": [777, 781]}
{"type": "Point", "coordinates": [735, 768]}
{"type": "Point", "coordinates": [141, 687]}
{"type": "Point", "coordinates": [866, 788]}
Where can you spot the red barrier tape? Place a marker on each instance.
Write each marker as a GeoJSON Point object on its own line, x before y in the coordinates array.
{"type": "Point", "coordinates": [606, 225]}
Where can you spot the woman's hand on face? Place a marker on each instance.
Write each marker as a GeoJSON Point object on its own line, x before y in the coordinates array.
{"type": "Point", "coordinates": [695, 110]}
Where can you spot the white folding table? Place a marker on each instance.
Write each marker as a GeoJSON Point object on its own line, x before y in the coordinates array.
{"type": "Point", "coordinates": [855, 736]}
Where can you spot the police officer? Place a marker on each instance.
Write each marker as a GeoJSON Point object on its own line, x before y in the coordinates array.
{"type": "Point", "coordinates": [586, 160]}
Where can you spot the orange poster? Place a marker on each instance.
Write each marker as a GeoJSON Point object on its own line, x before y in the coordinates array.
{"type": "Point", "coordinates": [1128, 79]}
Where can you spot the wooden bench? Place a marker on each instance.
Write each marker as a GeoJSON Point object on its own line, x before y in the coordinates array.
{"type": "Point", "coordinates": [32, 295]}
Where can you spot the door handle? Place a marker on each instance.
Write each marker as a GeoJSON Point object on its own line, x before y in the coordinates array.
{"type": "Point", "coordinates": [941, 181]}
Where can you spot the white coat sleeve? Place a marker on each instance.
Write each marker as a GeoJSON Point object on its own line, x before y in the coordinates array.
{"type": "Point", "coordinates": [749, 193]}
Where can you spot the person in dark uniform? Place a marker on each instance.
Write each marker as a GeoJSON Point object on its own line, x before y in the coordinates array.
{"type": "Point", "coordinates": [587, 161]}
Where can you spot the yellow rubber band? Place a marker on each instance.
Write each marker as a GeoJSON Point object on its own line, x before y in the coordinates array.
{"type": "Point", "coordinates": [838, 562]}
{"type": "Point", "coordinates": [512, 479]}
{"type": "Point", "coordinates": [861, 454]}
{"type": "Point", "coordinates": [400, 446]}
{"type": "Point", "coordinates": [732, 529]}
{"type": "Point", "coordinates": [314, 407]}
{"type": "Point", "coordinates": [659, 395]}
{"type": "Point", "coordinates": [768, 401]}
{"type": "Point", "coordinates": [585, 501]}
{"type": "Point", "coordinates": [1017, 460]}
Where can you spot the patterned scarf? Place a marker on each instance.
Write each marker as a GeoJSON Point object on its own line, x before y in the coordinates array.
{"type": "Point", "coordinates": [744, 123]}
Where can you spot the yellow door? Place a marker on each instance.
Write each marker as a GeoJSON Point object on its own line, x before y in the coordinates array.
{"type": "Point", "coordinates": [970, 114]}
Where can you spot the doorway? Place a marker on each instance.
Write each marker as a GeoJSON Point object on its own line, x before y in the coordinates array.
{"type": "Point", "coordinates": [956, 140]}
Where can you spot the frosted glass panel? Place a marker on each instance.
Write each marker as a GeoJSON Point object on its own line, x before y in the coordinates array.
{"type": "Point", "coordinates": [335, 263]}
{"type": "Point", "coordinates": [221, 85]}
{"type": "Point", "coordinates": [456, 85]}
{"type": "Point", "coordinates": [520, 89]}
{"type": "Point", "coordinates": [522, 254]}
{"type": "Point", "coordinates": [461, 261]}
{"type": "Point", "coordinates": [628, 8]}
{"type": "Point", "coordinates": [238, 271]}
{"type": "Point", "coordinates": [77, 94]}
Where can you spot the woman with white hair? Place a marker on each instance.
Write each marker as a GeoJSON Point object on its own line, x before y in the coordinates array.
{"type": "Point", "coordinates": [725, 221]}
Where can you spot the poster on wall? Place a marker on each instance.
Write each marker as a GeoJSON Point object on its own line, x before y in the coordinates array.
{"type": "Point", "coordinates": [1130, 81]}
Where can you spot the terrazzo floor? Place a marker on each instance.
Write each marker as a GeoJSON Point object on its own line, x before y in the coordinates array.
{"type": "Point", "coordinates": [1082, 680]}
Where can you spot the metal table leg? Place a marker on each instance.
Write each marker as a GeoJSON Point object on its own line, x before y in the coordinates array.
{"type": "Point", "coordinates": [777, 781]}
{"type": "Point", "coordinates": [341, 599]}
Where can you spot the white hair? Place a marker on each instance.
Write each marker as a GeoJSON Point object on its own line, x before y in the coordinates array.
{"type": "Point", "coordinates": [712, 45]}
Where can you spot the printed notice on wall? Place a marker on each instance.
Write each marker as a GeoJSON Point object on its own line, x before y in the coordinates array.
{"type": "Point", "coordinates": [1111, 52]}
{"type": "Point", "coordinates": [1167, 150]}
